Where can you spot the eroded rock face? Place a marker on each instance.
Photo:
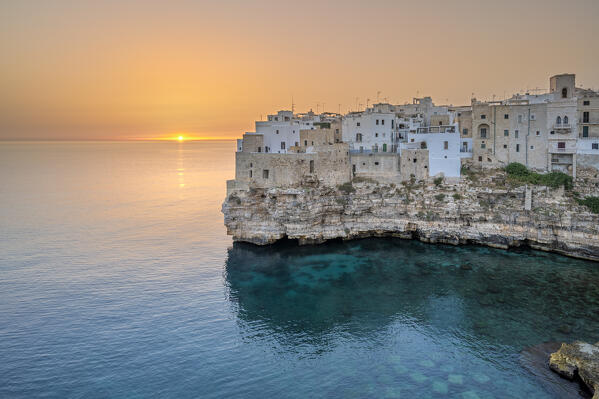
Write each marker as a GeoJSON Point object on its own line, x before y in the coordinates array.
{"type": "Point", "coordinates": [487, 212]}
{"type": "Point", "coordinates": [578, 359]}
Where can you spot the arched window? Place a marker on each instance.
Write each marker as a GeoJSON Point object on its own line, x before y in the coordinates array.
{"type": "Point", "coordinates": [558, 120]}
{"type": "Point", "coordinates": [565, 92]}
{"type": "Point", "coordinates": [565, 120]}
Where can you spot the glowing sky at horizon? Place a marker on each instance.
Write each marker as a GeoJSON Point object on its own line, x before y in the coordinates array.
{"type": "Point", "coordinates": [153, 69]}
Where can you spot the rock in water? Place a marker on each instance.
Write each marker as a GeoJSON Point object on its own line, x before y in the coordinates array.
{"type": "Point", "coordinates": [578, 359]}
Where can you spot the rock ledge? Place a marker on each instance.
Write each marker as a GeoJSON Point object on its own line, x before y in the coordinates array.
{"type": "Point", "coordinates": [578, 360]}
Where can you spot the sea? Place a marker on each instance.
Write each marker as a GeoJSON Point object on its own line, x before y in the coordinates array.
{"type": "Point", "coordinates": [118, 280]}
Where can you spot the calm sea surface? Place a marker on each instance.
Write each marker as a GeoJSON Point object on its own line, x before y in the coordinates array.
{"type": "Point", "coordinates": [117, 279]}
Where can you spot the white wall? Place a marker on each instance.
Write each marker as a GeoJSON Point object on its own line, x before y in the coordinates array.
{"type": "Point", "coordinates": [441, 160]}
{"type": "Point", "coordinates": [373, 134]}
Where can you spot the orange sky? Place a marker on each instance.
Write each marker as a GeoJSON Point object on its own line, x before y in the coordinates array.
{"type": "Point", "coordinates": [143, 69]}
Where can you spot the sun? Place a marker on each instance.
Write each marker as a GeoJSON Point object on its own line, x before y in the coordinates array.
{"type": "Point", "coordinates": [180, 138]}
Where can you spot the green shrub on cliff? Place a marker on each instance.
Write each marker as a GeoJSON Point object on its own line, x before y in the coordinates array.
{"type": "Point", "coordinates": [438, 181]}
{"type": "Point", "coordinates": [517, 169]}
{"type": "Point", "coordinates": [346, 188]}
{"type": "Point", "coordinates": [519, 172]}
{"type": "Point", "coordinates": [590, 202]}
{"type": "Point", "coordinates": [440, 197]}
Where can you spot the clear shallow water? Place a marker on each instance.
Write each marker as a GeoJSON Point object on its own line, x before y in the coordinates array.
{"type": "Point", "coordinates": [117, 280]}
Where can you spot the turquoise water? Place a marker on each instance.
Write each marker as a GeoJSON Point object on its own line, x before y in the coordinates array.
{"type": "Point", "coordinates": [117, 279]}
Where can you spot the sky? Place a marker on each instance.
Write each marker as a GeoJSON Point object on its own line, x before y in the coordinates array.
{"type": "Point", "coordinates": [145, 69]}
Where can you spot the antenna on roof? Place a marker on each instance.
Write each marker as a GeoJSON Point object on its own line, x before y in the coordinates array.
{"type": "Point", "coordinates": [292, 105]}
{"type": "Point", "coordinates": [377, 96]}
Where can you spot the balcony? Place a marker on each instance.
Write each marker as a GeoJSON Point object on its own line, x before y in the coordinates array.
{"type": "Point", "coordinates": [562, 127]}
{"type": "Point", "coordinates": [436, 129]}
{"type": "Point", "coordinates": [466, 150]}
{"type": "Point", "coordinates": [562, 147]}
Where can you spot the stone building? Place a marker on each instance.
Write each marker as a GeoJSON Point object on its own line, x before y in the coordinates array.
{"type": "Point", "coordinates": [535, 130]}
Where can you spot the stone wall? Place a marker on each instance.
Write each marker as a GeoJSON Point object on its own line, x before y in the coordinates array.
{"type": "Point", "coordinates": [329, 166]}
{"type": "Point", "coordinates": [414, 163]}
{"type": "Point", "coordinates": [383, 167]}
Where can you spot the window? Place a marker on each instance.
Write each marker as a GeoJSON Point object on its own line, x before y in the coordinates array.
{"type": "Point", "coordinates": [506, 116]}
{"type": "Point", "coordinates": [440, 123]}
{"type": "Point", "coordinates": [259, 149]}
{"type": "Point", "coordinates": [415, 160]}
{"type": "Point", "coordinates": [392, 123]}
{"type": "Point", "coordinates": [382, 121]}
{"type": "Point", "coordinates": [265, 173]}
{"type": "Point", "coordinates": [564, 93]}
{"type": "Point", "coordinates": [337, 131]}
{"type": "Point", "coordinates": [538, 133]}
{"type": "Point", "coordinates": [277, 131]}
{"type": "Point", "coordinates": [306, 143]}
{"type": "Point", "coordinates": [294, 131]}
{"type": "Point", "coordinates": [552, 132]}
{"type": "Point", "coordinates": [311, 166]}
{"type": "Point", "coordinates": [296, 143]}
{"type": "Point", "coordinates": [480, 159]}
{"type": "Point", "coordinates": [515, 134]}
{"type": "Point", "coordinates": [566, 120]}
{"type": "Point", "coordinates": [483, 132]}
{"type": "Point", "coordinates": [517, 147]}
{"type": "Point", "coordinates": [532, 117]}
{"type": "Point", "coordinates": [358, 124]}
{"type": "Point", "coordinates": [595, 146]}
{"type": "Point", "coordinates": [532, 147]}
{"type": "Point", "coordinates": [585, 131]}
{"type": "Point", "coordinates": [585, 117]}
{"type": "Point", "coordinates": [251, 174]}
{"type": "Point", "coordinates": [282, 145]}
{"type": "Point", "coordinates": [376, 135]}
{"type": "Point", "coordinates": [376, 163]}
{"type": "Point", "coordinates": [505, 146]}
{"type": "Point", "coordinates": [465, 132]}
{"type": "Point", "coordinates": [561, 144]}
{"type": "Point", "coordinates": [506, 133]}
{"type": "Point", "coordinates": [377, 121]}
{"type": "Point", "coordinates": [446, 145]}
{"type": "Point", "coordinates": [519, 118]}
{"type": "Point", "coordinates": [266, 148]}
{"type": "Point", "coordinates": [586, 102]}
{"type": "Point", "coordinates": [483, 116]}
{"type": "Point", "coordinates": [359, 137]}
{"type": "Point", "coordinates": [483, 145]}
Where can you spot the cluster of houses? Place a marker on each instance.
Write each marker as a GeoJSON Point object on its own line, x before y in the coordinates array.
{"type": "Point", "coordinates": [553, 131]}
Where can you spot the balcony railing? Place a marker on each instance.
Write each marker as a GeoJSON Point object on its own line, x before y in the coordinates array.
{"type": "Point", "coordinates": [562, 126]}
{"type": "Point", "coordinates": [468, 150]}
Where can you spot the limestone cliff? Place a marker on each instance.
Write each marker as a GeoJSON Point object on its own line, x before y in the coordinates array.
{"type": "Point", "coordinates": [486, 209]}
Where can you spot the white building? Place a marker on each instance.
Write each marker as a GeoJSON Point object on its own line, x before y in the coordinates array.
{"type": "Point", "coordinates": [281, 131]}
{"type": "Point", "coordinates": [369, 131]}
{"type": "Point", "coordinates": [443, 144]}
